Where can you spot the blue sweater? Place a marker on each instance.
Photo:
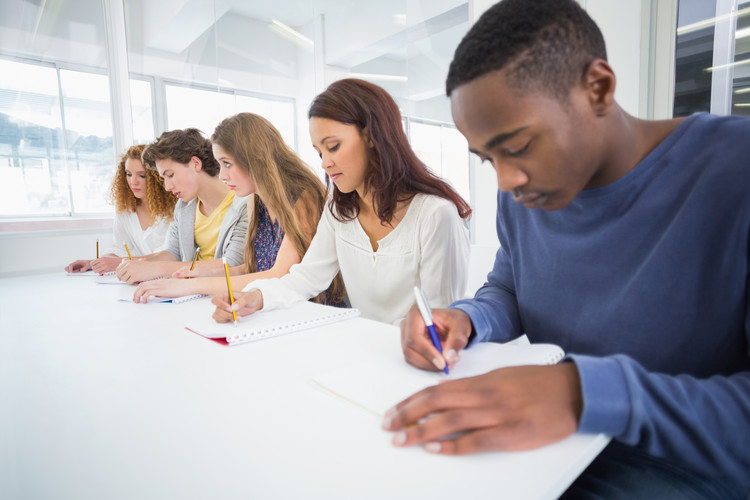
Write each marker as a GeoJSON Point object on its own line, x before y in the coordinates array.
{"type": "Point", "coordinates": [645, 283]}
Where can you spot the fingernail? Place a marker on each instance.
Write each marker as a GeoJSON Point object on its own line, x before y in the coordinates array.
{"type": "Point", "coordinates": [387, 422]}
{"type": "Point", "coordinates": [433, 447]}
{"type": "Point", "coordinates": [439, 363]}
{"type": "Point", "coordinates": [451, 355]}
{"type": "Point", "coordinates": [399, 438]}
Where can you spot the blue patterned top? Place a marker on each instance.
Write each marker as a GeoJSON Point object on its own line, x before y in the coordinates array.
{"type": "Point", "coordinates": [267, 240]}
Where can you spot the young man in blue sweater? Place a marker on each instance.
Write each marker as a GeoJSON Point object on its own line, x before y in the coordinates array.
{"type": "Point", "coordinates": [624, 241]}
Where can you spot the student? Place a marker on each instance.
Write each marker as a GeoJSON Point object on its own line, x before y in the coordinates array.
{"type": "Point", "coordinates": [624, 241]}
{"type": "Point", "coordinates": [285, 202]}
{"type": "Point", "coordinates": [207, 215]}
{"type": "Point", "coordinates": [143, 212]}
{"type": "Point", "coordinates": [390, 225]}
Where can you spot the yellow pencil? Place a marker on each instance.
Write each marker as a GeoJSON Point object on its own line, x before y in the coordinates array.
{"type": "Point", "coordinates": [229, 287]}
{"type": "Point", "coordinates": [97, 248]}
{"type": "Point", "coordinates": [194, 259]}
{"type": "Point", "coordinates": [128, 250]}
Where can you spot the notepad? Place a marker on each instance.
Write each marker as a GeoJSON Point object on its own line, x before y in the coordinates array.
{"type": "Point", "coordinates": [267, 324]}
{"type": "Point", "coordinates": [155, 299]}
{"type": "Point", "coordinates": [379, 383]}
{"type": "Point", "coordinates": [109, 279]}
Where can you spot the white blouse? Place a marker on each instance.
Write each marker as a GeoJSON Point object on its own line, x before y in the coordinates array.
{"type": "Point", "coordinates": [429, 248]}
{"type": "Point", "coordinates": [127, 229]}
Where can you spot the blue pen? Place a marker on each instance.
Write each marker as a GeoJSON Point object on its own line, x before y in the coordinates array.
{"type": "Point", "coordinates": [426, 312]}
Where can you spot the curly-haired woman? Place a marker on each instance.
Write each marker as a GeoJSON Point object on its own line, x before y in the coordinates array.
{"type": "Point", "coordinates": [143, 213]}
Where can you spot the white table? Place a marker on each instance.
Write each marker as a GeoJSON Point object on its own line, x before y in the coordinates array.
{"type": "Point", "coordinates": [101, 399]}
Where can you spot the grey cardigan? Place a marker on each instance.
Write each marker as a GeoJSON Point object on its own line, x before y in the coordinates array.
{"type": "Point", "coordinates": [231, 242]}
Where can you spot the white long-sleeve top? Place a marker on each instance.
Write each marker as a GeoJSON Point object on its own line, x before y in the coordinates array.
{"type": "Point", "coordinates": [429, 248]}
{"type": "Point", "coordinates": [127, 229]}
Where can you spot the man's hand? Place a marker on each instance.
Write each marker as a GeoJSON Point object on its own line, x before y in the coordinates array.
{"type": "Point", "coordinates": [453, 327]}
{"type": "Point", "coordinates": [515, 408]}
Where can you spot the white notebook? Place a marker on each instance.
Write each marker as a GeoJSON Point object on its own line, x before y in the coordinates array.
{"type": "Point", "coordinates": [379, 383]}
{"type": "Point", "coordinates": [155, 299]}
{"type": "Point", "coordinates": [266, 324]}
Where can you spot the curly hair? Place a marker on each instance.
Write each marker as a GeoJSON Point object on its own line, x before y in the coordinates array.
{"type": "Point", "coordinates": [546, 45]}
{"type": "Point", "coordinates": [180, 146]}
{"type": "Point", "coordinates": [281, 179]}
{"type": "Point", "coordinates": [160, 201]}
{"type": "Point", "coordinates": [394, 173]}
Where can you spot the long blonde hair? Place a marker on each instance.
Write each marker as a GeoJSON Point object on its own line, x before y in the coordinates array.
{"type": "Point", "coordinates": [281, 178]}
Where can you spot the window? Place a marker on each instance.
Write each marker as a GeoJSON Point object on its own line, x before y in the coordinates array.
{"type": "Point", "coordinates": [56, 140]}
{"type": "Point", "coordinates": [712, 71]}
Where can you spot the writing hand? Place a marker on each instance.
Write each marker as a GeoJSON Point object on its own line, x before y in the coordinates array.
{"type": "Point", "coordinates": [244, 303]}
{"type": "Point", "coordinates": [516, 408]}
{"type": "Point", "coordinates": [79, 266]}
{"type": "Point", "coordinates": [132, 271]}
{"type": "Point", "coordinates": [453, 327]}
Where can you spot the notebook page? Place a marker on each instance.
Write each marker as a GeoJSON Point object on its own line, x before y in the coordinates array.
{"type": "Point", "coordinates": [379, 383]}
{"type": "Point", "coordinates": [264, 324]}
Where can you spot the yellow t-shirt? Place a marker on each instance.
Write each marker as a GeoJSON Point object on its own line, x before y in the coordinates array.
{"type": "Point", "coordinates": [207, 227]}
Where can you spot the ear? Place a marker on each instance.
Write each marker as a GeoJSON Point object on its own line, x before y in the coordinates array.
{"type": "Point", "coordinates": [196, 163]}
{"type": "Point", "coordinates": [366, 138]}
{"type": "Point", "coordinates": [599, 79]}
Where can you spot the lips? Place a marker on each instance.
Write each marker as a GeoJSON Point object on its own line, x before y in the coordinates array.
{"type": "Point", "coordinates": [530, 200]}
{"type": "Point", "coordinates": [334, 176]}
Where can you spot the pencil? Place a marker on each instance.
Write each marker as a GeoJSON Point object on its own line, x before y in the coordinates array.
{"type": "Point", "coordinates": [229, 287]}
{"type": "Point", "coordinates": [97, 248]}
{"type": "Point", "coordinates": [194, 259]}
{"type": "Point", "coordinates": [128, 250]}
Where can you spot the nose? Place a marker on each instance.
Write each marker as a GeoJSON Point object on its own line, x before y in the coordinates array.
{"type": "Point", "coordinates": [509, 177]}
{"type": "Point", "coordinates": [168, 185]}
{"type": "Point", "coordinates": [223, 174]}
{"type": "Point", "coordinates": [326, 161]}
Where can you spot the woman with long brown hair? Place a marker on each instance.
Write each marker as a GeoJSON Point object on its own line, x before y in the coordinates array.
{"type": "Point", "coordinates": [390, 224]}
{"type": "Point", "coordinates": [143, 211]}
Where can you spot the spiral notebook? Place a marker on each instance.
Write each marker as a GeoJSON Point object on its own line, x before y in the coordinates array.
{"type": "Point", "coordinates": [155, 299]}
{"type": "Point", "coordinates": [266, 324]}
{"type": "Point", "coordinates": [379, 383]}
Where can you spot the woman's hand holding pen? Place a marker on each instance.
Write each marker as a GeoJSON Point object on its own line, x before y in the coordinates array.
{"type": "Point", "coordinates": [453, 327]}
{"type": "Point", "coordinates": [245, 303]}
{"type": "Point", "coordinates": [205, 272]}
{"type": "Point", "coordinates": [133, 271]}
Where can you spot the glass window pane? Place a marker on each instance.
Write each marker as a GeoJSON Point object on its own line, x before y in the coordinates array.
{"type": "Point", "coordinates": [88, 126]}
{"type": "Point", "coordinates": [741, 83]}
{"type": "Point", "coordinates": [201, 109]}
{"type": "Point", "coordinates": [445, 151]}
{"type": "Point", "coordinates": [143, 111]}
{"type": "Point", "coordinates": [31, 142]}
{"type": "Point", "coordinates": [694, 53]}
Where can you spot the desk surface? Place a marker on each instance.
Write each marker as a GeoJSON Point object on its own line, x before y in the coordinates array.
{"type": "Point", "coordinates": [107, 399]}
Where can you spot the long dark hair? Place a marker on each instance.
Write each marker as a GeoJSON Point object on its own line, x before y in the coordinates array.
{"type": "Point", "coordinates": [394, 173]}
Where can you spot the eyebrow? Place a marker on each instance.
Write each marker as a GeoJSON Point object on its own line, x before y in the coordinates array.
{"type": "Point", "coordinates": [324, 139]}
{"type": "Point", "coordinates": [499, 139]}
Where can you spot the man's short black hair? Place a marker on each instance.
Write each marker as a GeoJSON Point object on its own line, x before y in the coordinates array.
{"type": "Point", "coordinates": [546, 45]}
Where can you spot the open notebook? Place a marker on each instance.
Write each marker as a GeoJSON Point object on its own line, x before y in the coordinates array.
{"type": "Point", "coordinates": [266, 324]}
{"type": "Point", "coordinates": [155, 299]}
{"type": "Point", "coordinates": [379, 383]}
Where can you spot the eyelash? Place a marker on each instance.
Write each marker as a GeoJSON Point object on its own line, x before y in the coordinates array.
{"type": "Point", "coordinates": [520, 151]}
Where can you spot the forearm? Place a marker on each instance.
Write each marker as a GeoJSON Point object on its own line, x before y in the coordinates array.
{"type": "Point", "coordinates": [703, 423]}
